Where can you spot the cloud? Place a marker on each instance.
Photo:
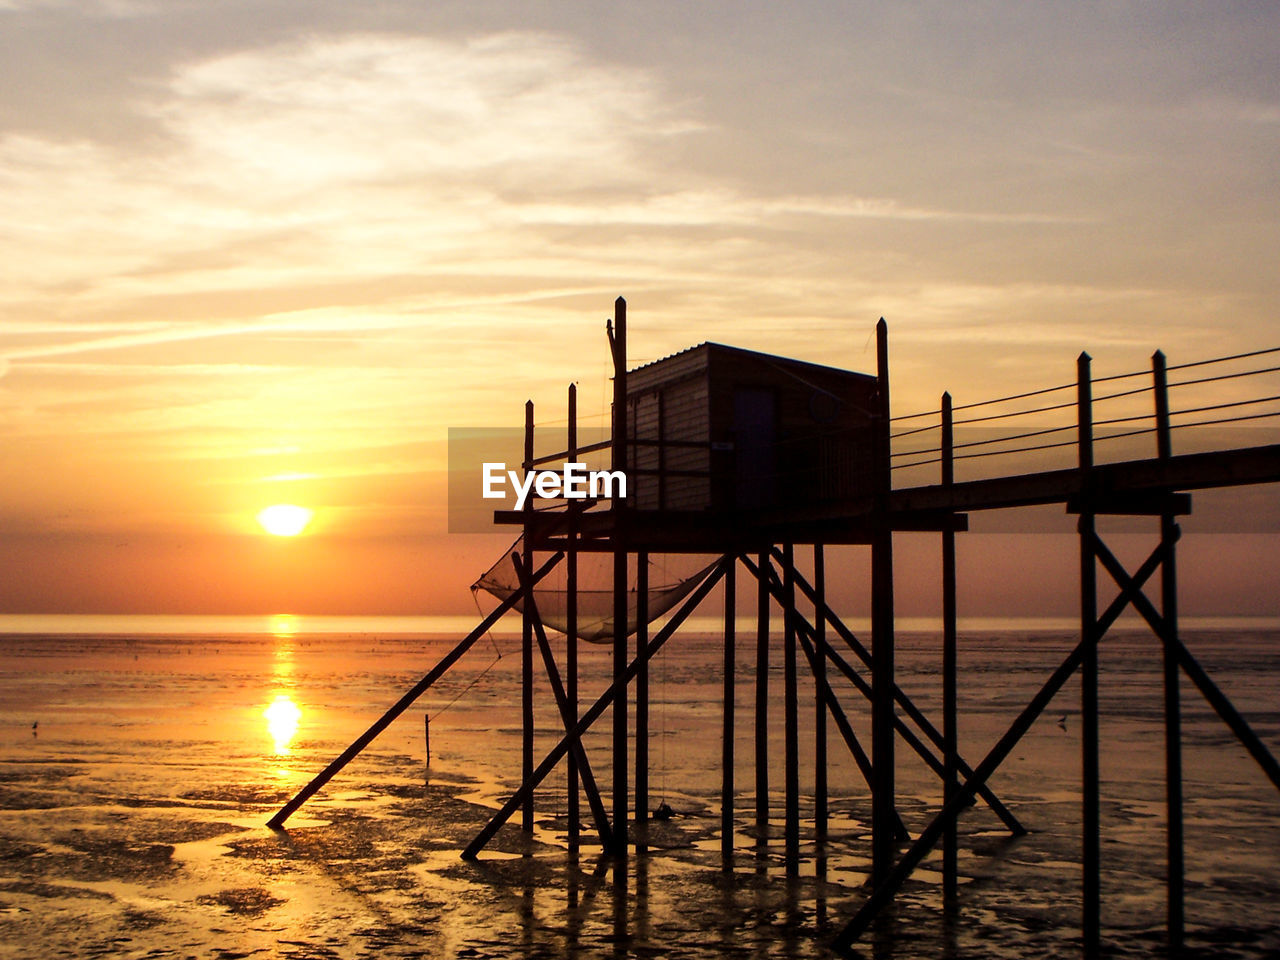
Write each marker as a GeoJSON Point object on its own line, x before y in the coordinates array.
{"type": "Point", "coordinates": [320, 160]}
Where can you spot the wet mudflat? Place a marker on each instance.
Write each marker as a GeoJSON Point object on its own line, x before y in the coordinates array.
{"type": "Point", "coordinates": [132, 821]}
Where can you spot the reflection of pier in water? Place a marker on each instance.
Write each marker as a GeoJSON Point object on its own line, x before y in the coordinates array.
{"type": "Point", "coordinates": [746, 456]}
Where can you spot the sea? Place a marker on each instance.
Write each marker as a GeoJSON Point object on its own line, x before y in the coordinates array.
{"type": "Point", "coordinates": [143, 756]}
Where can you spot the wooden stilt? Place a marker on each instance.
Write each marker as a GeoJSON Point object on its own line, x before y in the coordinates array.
{"type": "Point", "coordinates": [1091, 898]}
{"type": "Point", "coordinates": [571, 626]}
{"type": "Point", "coordinates": [762, 704]}
{"type": "Point", "coordinates": [950, 751]}
{"type": "Point", "coordinates": [822, 695]}
{"type": "Point", "coordinates": [883, 813]}
{"type": "Point", "coordinates": [619, 462]}
{"type": "Point", "coordinates": [791, 718]}
{"type": "Point", "coordinates": [642, 694]}
{"type": "Point", "coordinates": [526, 642]}
{"type": "Point", "coordinates": [1174, 877]}
{"type": "Point", "coordinates": [729, 692]}
{"type": "Point", "coordinates": [1174, 872]}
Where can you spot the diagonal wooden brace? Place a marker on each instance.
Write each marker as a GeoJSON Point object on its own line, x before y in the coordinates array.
{"type": "Point", "coordinates": [929, 837]}
{"type": "Point", "coordinates": [1210, 690]}
{"type": "Point", "coordinates": [566, 713]}
{"type": "Point", "coordinates": [846, 730]}
{"type": "Point", "coordinates": [908, 737]}
{"type": "Point", "coordinates": [418, 689]}
{"type": "Point", "coordinates": [594, 712]}
{"type": "Point", "coordinates": [909, 708]}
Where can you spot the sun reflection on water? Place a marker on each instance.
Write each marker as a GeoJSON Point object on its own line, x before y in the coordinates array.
{"type": "Point", "coordinates": [282, 716]}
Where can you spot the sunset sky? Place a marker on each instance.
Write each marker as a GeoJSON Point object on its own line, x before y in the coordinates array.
{"type": "Point", "coordinates": [269, 252]}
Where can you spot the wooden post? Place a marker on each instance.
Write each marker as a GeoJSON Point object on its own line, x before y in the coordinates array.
{"type": "Point", "coordinates": [820, 695]}
{"type": "Point", "coordinates": [642, 695]}
{"type": "Point", "coordinates": [1174, 877]}
{"type": "Point", "coordinates": [526, 639]}
{"type": "Point", "coordinates": [882, 673]}
{"type": "Point", "coordinates": [762, 703]}
{"type": "Point", "coordinates": [726, 751]}
{"type": "Point", "coordinates": [619, 460]}
{"type": "Point", "coordinates": [426, 735]}
{"type": "Point", "coordinates": [1091, 854]}
{"type": "Point", "coordinates": [950, 749]}
{"type": "Point", "coordinates": [571, 627]}
{"type": "Point", "coordinates": [791, 717]}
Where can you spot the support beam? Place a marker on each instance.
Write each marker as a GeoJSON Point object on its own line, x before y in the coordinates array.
{"type": "Point", "coordinates": [1091, 849]}
{"type": "Point", "coordinates": [884, 893]}
{"type": "Point", "coordinates": [845, 729]}
{"type": "Point", "coordinates": [567, 715]}
{"type": "Point", "coordinates": [1175, 882]}
{"type": "Point", "coordinates": [908, 707]}
{"type": "Point", "coordinates": [597, 709]}
{"type": "Point", "coordinates": [571, 626]}
{"type": "Point", "coordinates": [1221, 704]}
{"type": "Point", "coordinates": [727, 731]}
{"type": "Point", "coordinates": [418, 689]}
{"type": "Point", "coordinates": [619, 459]}
{"type": "Point", "coordinates": [822, 695]}
{"type": "Point", "coordinates": [950, 689]}
{"type": "Point", "coordinates": [791, 718]}
{"type": "Point", "coordinates": [883, 812]}
{"type": "Point", "coordinates": [762, 704]}
{"type": "Point", "coordinates": [642, 695]}
{"type": "Point", "coordinates": [526, 640]}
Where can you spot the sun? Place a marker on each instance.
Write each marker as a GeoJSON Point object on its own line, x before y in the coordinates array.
{"type": "Point", "coordinates": [284, 519]}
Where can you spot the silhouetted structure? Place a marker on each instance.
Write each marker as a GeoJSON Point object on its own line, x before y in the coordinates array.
{"type": "Point", "coordinates": [747, 456]}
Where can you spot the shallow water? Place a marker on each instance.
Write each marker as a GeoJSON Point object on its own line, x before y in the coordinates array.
{"type": "Point", "coordinates": [132, 817]}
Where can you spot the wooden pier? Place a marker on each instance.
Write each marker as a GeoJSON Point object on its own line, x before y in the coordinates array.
{"type": "Point", "coordinates": [698, 433]}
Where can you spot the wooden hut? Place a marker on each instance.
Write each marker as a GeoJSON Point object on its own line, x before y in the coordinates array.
{"type": "Point", "coordinates": [719, 428]}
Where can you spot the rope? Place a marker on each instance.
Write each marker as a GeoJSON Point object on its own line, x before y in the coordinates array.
{"type": "Point", "coordinates": [1225, 376]}
{"type": "Point", "coordinates": [480, 676]}
{"type": "Point", "coordinates": [1234, 356]}
{"type": "Point", "coordinates": [907, 433]}
{"type": "Point", "coordinates": [467, 689]}
{"type": "Point", "coordinates": [1214, 423]}
{"type": "Point", "coordinates": [1015, 413]}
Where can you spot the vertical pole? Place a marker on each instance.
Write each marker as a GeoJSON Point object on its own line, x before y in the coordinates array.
{"type": "Point", "coordinates": [526, 640]}
{"type": "Point", "coordinates": [820, 698]}
{"type": "Point", "coordinates": [1172, 695]}
{"type": "Point", "coordinates": [571, 625]}
{"type": "Point", "coordinates": [950, 732]}
{"type": "Point", "coordinates": [726, 752]}
{"type": "Point", "coordinates": [762, 700]}
{"type": "Point", "coordinates": [619, 460]}
{"type": "Point", "coordinates": [426, 735]}
{"type": "Point", "coordinates": [883, 819]}
{"type": "Point", "coordinates": [662, 452]}
{"type": "Point", "coordinates": [791, 715]}
{"type": "Point", "coordinates": [1091, 854]}
{"type": "Point", "coordinates": [642, 691]}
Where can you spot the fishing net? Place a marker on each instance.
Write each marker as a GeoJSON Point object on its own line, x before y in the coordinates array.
{"type": "Point", "coordinates": [595, 591]}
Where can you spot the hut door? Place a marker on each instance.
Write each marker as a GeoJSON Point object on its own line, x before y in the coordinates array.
{"type": "Point", "coordinates": [755, 429]}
